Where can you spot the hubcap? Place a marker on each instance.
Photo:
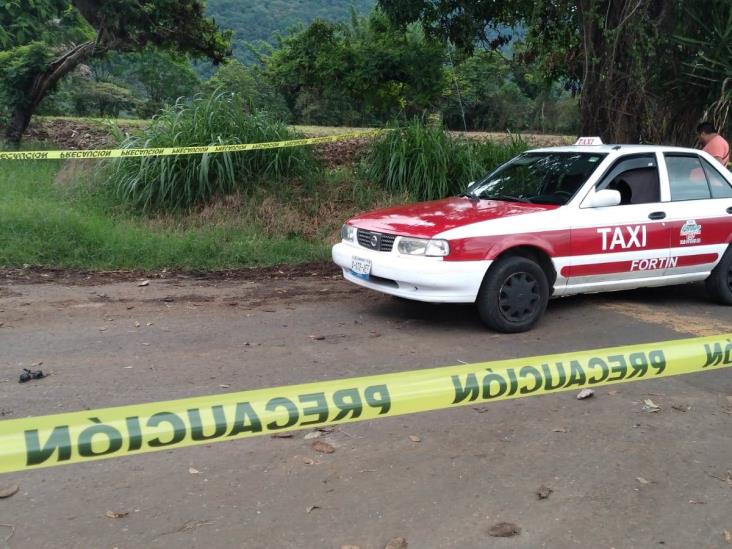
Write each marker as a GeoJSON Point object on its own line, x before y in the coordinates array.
{"type": "Point", "coordinates": [519, 298]}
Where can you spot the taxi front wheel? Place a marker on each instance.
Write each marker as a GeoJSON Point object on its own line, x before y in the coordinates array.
{"type": "Point", "coordinates": [719, 283]}
{"type": "Point", "coordinates": [513, 296]}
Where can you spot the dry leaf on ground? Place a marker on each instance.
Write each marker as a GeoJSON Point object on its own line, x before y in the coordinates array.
{"type": "Point", "coordinates": [193, 471]}
{"type": "Point", "coordinates": [415, 438]}
{"type": "Point", "coordinates": [727, 536]}
{"type": "Point", "coordinates": [8, 491]}
{"type": "Point", "coordinates": [543, 492]}
{"type": "Point", "coordinates": [642, 480]}
{"type": "Point", "coordinates": [504, 530]}
{"type": "Point", "coordinates": [650, 406]}
{"type": "Point", "coordinates": [397, 543]}
{"type": "Point", "coordinates": [322, 447]}
{"type": "Point", "coordinates": [144, 283]}
{"type": "Point", "coordinates": [312, 508]}
{"type": "Point", "coordinates": [115, 515]}
{"type": "Point", "coordinates": [585, 393]}
{"type": "Point", "coordinates": [312, 435]}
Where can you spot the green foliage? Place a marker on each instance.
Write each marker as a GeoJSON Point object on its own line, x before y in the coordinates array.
{"type": "Point", "coordinates": [161, 77]}
{"type": "Point", "coordinates": [252, 86]}
{"type": "Point", "coordinates": [55, 215]}
{"type": "Point", "coordinates": [635, 81]}
{"type": "Point", "coordinates": [124, 83]}
{"type": "Point", "coordinates": [708, 67]}
{"type": "Point", "coordinates": [488, 95]}
{"type": "Point", "coordinates": [262, 21]}
{"type": "Point", "coordinates": [120, 25]}
{"type": "Point", "coordinates": [78, 30]}
{"type": "Point", "coordinates": [175, 182]}
{"type": "Point", "coordinates": [102, 99]}
{"type": "Point", "coordinates": [18, 68]}
{"type": "Point", "coordinates": [427, 163]}
{"type": "Point", "coordinates": [465, 23]}
{"type": "Point", "coordinates": [50, 21]}
{"type": "Point", "coordinates": [359, 73]}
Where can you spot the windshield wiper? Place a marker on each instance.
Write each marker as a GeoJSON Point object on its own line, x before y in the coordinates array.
{"type": "Point", "coordinates": [509, 198]}
{"type": "Point", "coordinates": [470, 195]}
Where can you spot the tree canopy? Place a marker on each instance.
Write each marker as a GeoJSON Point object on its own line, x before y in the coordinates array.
{"type": "Point", "coordinates": [362, 72]}
{"type": "Point", "coordinates": [632, 62]}
{"type": "Point", "coordinates": [43, 41]}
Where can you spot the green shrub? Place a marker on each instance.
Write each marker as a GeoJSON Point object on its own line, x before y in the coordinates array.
{"type": "Point", "coordinates": [490, 154]}
{"type": "Point", "coordinates": [184, 181]}
{"type": "Point", "coordinates": [426, 162]}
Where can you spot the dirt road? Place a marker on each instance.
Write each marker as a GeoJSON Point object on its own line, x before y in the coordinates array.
{"type": "Point", "coordinates": [621, 477]}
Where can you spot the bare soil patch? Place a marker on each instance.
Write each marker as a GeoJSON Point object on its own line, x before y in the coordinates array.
{"type": "Point", "coordinates": [78, 277]}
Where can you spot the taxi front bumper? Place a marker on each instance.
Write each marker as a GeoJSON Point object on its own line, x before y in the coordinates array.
{"type": "Point", "coordinates": [414, 277]}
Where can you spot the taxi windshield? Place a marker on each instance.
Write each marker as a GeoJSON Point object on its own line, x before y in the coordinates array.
{"type": "Point", "coordinates": [538, 178]}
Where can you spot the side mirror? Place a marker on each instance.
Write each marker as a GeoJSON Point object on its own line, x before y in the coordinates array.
{"type": "Point", "coordinates": [604, 199]}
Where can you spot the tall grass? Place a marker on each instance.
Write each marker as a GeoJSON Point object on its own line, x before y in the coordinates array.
{"type": "Point", "coordinates": [180, 182]}
{"type": "Point", "coordinates": [426, 162]}
{"type": "Point", "coordinates": [54, 214]}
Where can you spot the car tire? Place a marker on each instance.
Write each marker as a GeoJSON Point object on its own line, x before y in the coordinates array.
{"type": "Point", "coordinates": [719, 283]}
{"type": "Point", "coordinates": [513, 296]}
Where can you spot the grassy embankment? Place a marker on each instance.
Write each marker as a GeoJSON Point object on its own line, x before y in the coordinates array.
{"type": "Point", "coordinates": [59, 215]}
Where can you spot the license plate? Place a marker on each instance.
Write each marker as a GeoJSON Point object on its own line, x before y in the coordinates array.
{"type": "Point", "coordinates": [361, 267]}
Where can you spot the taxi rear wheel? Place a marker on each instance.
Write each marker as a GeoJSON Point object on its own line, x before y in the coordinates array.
{"type": "Point", "coordinates": [719, 283]}
{"type": "Point", "coordinates": [514, 295]}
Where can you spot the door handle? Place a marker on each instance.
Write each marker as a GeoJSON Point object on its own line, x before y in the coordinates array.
{"type": "Point", "coordinates": [657, 215]}
{"type": "Point", "coordinates": [729, 210]}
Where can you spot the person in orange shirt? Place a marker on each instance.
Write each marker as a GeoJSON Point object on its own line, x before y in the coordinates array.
{"type": "Point", "coordinates": [712, 142]}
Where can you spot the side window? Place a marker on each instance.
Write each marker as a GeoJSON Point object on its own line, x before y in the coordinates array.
{"type": "Point", "coordinates": [687, 179]}
{"type": "Point", "coordinates": [720, 187]}
{"type": "Point", "coordinates": [636, 178]}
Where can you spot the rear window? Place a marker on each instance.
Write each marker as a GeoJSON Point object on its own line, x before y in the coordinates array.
{"type": "Point", "coordinates": [687, 178]}
{"type": "Point", "coordinates": [719, 186]}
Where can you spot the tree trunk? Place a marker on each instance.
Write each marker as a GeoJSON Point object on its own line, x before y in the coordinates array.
{"type": "Point", "coordinates": [42, 84]}
{"type": "Point", "coordinates": [16, 126]}
{"type": "Point", "coordinates": [618, 40]}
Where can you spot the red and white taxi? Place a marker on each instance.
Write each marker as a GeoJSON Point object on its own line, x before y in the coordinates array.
{"type": "Point", "coordinates": [553, 222]}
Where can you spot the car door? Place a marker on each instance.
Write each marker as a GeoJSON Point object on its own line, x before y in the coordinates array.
{"type": "Point", "coordinates": [621, 246]}
{"type": "Point", "coordinates": [699, 214]}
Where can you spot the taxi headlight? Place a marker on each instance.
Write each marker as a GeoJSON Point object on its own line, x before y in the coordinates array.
{"type": "Point", "coordinates": [421, 246]}
{"type": "Point", "coordinates": [348, 233]}
{"type": "Point", "coordinates": [437, 248]}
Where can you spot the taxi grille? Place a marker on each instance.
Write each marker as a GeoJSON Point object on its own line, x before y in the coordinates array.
{"type": "Point", "coordinates": [380, 242]}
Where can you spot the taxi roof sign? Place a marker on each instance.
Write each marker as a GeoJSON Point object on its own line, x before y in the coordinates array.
{"type": "Point", "coordinates": [589, 141]}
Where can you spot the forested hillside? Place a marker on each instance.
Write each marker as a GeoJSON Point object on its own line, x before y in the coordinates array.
{"type": "Point", "coordinates": [253, 20]}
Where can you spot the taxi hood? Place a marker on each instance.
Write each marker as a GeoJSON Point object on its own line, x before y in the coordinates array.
{"type": "Point", "coordinates": [427, 219]}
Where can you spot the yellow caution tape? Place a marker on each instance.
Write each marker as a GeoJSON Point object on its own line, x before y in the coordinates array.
{"type": "Point", "coordinates": [47, 441]}
{"type": "Point", "coordinates": [172, 151]}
